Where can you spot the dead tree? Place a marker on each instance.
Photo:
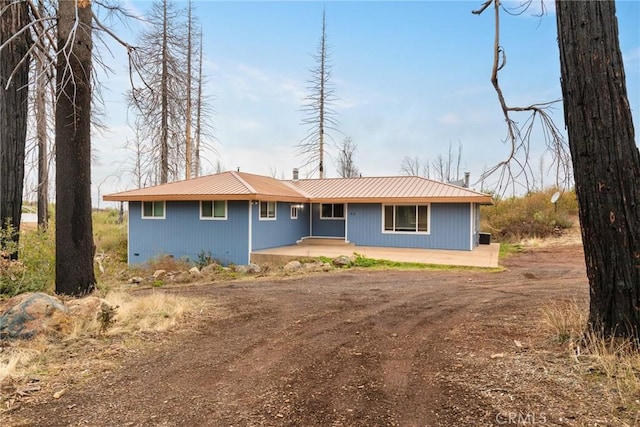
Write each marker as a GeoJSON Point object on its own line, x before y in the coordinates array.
{"type": "Point", "coordinates": [158, 98]}
{"type": "Point", "coordinates": [606, 161]}
{"type": "Point", "coordinates": [604, 156]}
{"type": "Point", "coordinates": [188, 143]}
{"type": "Point", "coordinates": [317, 107]}
{"type": "Point", "coordinates": [516, 168]}
{"type": "Point", "coordinates": [414, 166]}
{"type": "Point", "coordinates": [74, 229]}
{"type": "Point", "coordinates": [15, 43]}
{"type": "Point", "coordinates": [346, 163]}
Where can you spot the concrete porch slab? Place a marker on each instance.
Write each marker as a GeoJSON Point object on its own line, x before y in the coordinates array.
{"type": "Point", "coordinates": [482, 256]}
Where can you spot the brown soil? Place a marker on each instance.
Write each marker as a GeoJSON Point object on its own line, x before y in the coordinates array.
{"type": "Point", "coordinates": [352, 348]}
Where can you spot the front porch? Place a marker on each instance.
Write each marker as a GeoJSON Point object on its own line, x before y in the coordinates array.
{"type": "Point", "coordinates": [482, 256]}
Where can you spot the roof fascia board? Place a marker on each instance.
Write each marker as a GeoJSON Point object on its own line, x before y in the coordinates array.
{"type": "Point", "coordinates": [198, 197]}
{"type": "Point", "coordinates": [486, 200]}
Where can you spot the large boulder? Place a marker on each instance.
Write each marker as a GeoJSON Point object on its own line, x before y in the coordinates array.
{"type": "Point", "coordinates": [342, 261]}
{"type": "Point", "coordinates": [292, 266]}
{"type": "Point", "coordinates": [29, 314]}
{"type": "Point", "coordinates": [88, 307]}
{"type": "Point", "coordinates": [254, 268]}
{"type": "Point", "coordinates": [210, 269]}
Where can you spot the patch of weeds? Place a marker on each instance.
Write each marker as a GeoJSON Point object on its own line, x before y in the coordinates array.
{"type": "Point", "coordinates": [204, 259]}
{"type": "Point", "coordinates": [158, 283]}
{"type": "Point", "coordinates": [508, 249]}
{"type": "Point", "coordinates": [107, 317]}
{"type": "Point", "coordinates": [167, 263]}
{"type": "Point", "coordinates": [364, 262]}
{"type": "Point", "coordinates": [565, 320]}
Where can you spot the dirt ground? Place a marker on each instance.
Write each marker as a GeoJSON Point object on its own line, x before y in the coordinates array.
{"type": "Point", "coordinates": [352, 348]}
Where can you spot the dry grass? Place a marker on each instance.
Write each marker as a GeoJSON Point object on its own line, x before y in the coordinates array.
{"type": "Point", "coordinates": [612, 360]}
{"type": "Point", "coordinates": [565, 320]}
{"type": "Point", "coordinates": [21, 359]}
{"type": "Point", "coordinates": [13, 360]}
{"type": "Point", "coordinates": [155, 312]}
{"type": "Point", "coordinates": [94, 348]}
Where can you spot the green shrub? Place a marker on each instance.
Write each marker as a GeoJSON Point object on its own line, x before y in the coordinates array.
{"type": "Point", "coordinates": [205, 259]}
{"type": "Point", "coordinates": [533, 215]}
{"type": "Point", "coordinates": [34, 270]}
{"type": "Point", "coordinates": [110, 237]}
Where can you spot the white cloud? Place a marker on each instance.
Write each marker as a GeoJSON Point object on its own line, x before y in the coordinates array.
{"type": "Point", "coordinates": [450, 119]}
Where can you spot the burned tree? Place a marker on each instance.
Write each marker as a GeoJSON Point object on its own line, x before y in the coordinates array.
{"type": "Point", "coordinates": [606, 161]}
{"type": "Point", "coordinates": [15, 60]}
{"type": "Point", "coordinates": [604, 156]}
{"type": "Point", "coordinates": [74, 230]}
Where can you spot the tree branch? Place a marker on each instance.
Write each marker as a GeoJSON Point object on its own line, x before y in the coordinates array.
{"type": "Point", "coordinates": [517, 164]}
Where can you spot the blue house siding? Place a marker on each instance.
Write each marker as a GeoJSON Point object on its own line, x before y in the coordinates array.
{"type": "Point", "coordinates": [282, 231]}
{"type": "Point", "coordinates": [449, 228]}
{"type": "Point", "coordinates": [325, 227]}
{"type": "Point", "coordinates": [183, 234]}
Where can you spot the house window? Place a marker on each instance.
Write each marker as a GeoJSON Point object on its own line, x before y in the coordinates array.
{"type": "Point", "coordinates": [213, 209]}
{"type": "Point", "coordinates": [153, 210]}
{"type": "Point", "coordinates": [294, 212]}
{"type": "Point", "coordinates": [332, 211]}
{"type": "Point", "coordinates": [267, 210]}
{"type": "Point", "coordinates": [406, 218]}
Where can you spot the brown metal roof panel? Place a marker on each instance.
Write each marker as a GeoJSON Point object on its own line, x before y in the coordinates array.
{"type": "Point", "coordinates": [223, 183]}
{"type": "Point", "coordinates": [381, 187]}
{"type": "Point", "coordinates": [250, 186]}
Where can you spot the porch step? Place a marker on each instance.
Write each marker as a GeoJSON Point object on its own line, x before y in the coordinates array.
{"type": "Point", "coordinates": [326, 241]}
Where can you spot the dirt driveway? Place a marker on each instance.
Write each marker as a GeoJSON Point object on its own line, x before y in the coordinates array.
{"type": "Point", "coordinates": [352, 348]}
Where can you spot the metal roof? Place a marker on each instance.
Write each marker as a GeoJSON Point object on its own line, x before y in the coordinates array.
{"type": "Point", "coordinates": [221, 186]}
{"type": "Point", "coordinates": [245, 186]}
{"type": "Point", "coordinates": [391, 189]}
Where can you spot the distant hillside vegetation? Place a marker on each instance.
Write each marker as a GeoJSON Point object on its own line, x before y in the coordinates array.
{"type": "Point", "coordinates": [516, 218]}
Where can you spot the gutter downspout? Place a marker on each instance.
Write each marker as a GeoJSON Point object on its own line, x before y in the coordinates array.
{"type": "Point", "coordinates": [346, 222]}
{"type": "Point", "coordinates": [473, 224]}
{"type": "Point", "coordinates": [129, 232]}
{"type": "Point", "coordinates": [250, 240]}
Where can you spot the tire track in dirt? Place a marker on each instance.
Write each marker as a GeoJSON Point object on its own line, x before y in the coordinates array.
{"type": "Point", "coordinates": [355, 348]}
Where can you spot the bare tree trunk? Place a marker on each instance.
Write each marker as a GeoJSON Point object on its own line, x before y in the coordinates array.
{"type": "Point", "coordinates": [188, 154]}
{"type": "Point", "coordinates": [198, 132]}
{"type": "Point", "coordinates": [322, 81]}
{"type": "Point", "coordinates": [164, 120]}
{"type": "Point", "coordinates": [606, 161]}
{"type": "Point", "coordinates": [318, 108]}
{"type": "Point", "coordinates": [14, 96]}
{"type": "Point", "coordinates": [74, 233]}
{"type": "Point", "coordinates": [43, 141]}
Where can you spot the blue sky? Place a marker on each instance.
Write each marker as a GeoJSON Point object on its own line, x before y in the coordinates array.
{"type": "Point", "coordinates": [411, 78]}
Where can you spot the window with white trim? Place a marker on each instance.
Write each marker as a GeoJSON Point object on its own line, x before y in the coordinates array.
{"type": "Point", "coordinates": [332, 211]}
{"type": "Point", "coordinates": [213, 209]}
{"type": "Point", "coordinates": [294, 212]}
{"type": "Point", "coordinates": [267, 210]}
{"type": "Point", "coordinates": [405, 218]}
{"type": "Point", "coordinates": [153, 210]}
